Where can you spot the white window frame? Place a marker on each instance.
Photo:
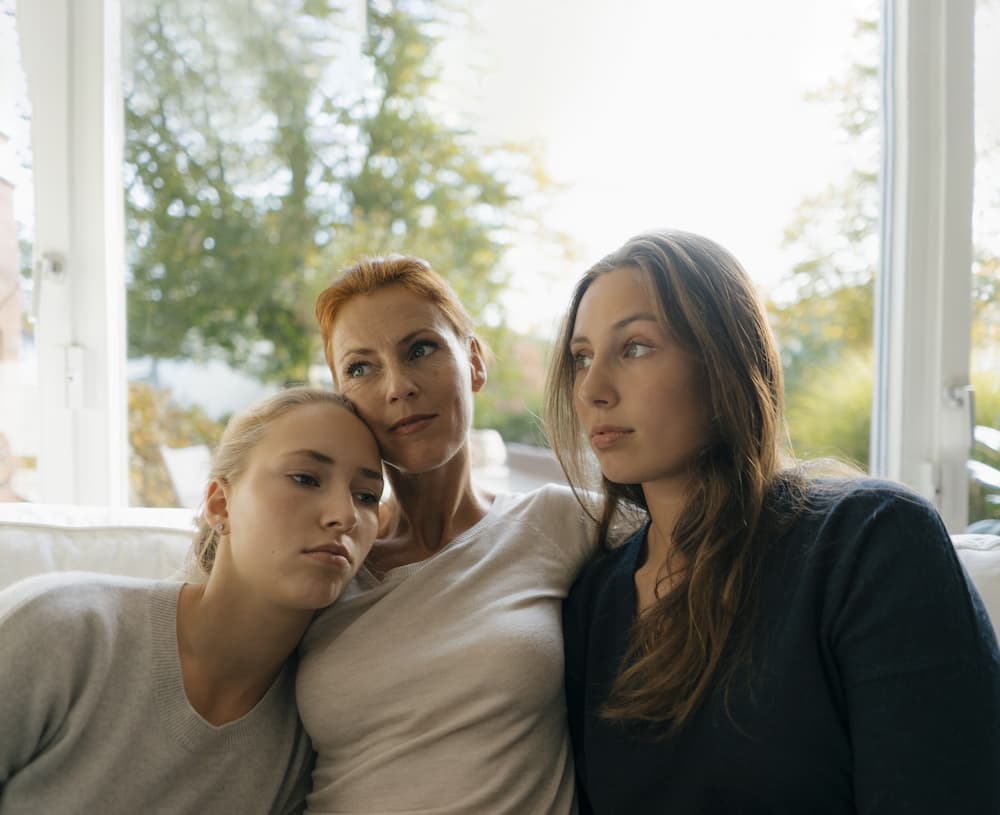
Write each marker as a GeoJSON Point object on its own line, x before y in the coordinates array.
{"type": "Point", "coordinates": [922, 404]}
{"type": "Point", "coordinates": [71, 52]}
{"type": "Point", "coordinates": [920, 418]}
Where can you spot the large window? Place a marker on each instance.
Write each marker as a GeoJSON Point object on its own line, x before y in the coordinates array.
{"type": "Point", "coordinates": [265, 145]}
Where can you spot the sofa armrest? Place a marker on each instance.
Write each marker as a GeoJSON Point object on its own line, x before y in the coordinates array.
{"type": "Point", "coordinates": [980, 555]}
{"type": "Point", "coordinates": [131, 541]}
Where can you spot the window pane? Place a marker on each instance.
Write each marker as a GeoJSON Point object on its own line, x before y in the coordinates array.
{"type": "Point", "coordinates": [19, 431]}
{"type": "Point", "coordinates": [984, 466]}
{"type": "Point", "coordinates": [270, 143]}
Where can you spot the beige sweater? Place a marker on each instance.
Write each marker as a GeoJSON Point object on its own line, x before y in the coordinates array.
{"type": "Point", "coordinates": [94, 719]}
{"type": "Point", "coordinates": [439, 690]}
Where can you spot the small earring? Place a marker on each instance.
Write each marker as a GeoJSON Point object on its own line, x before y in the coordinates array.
{"type": "Point", "coordinates": [219, 527]}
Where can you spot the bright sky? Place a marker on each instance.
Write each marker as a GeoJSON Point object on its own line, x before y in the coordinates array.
{"type": "Point", "coordinates": [657, 113]}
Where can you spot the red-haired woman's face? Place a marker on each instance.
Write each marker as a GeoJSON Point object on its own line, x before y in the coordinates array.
{"type": "Point", "coordinates": [398, 359]}
{"type": "Point", "coordinates": [637, 392]}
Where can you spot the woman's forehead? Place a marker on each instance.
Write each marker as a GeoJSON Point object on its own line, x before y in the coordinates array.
{"type": "Point", "coordinates": [386, 316]}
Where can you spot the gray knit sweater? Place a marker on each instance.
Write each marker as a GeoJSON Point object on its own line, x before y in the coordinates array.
{"type": "Point", "coordinates": [93, 716]}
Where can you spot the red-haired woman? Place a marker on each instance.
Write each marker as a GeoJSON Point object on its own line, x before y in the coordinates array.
{"type": "Point", "coordinates": [453, 627]}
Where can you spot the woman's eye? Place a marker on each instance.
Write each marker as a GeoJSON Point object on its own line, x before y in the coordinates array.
{"type": "Point", "coordinates": [357, 369]}
{"type": "Point", "coordinates": [305, 479]}
{"type": "Point", "coordinates": [423, 348]}
{"type": "Point", "coordinates": [636, 349]}
{"type": "Point", "coordinates": [581, 361]}
{"type": "Point", "coordinates": [366, 498]}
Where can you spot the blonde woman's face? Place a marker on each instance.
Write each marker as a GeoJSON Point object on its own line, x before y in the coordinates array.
{"type": "Point", "coordinates": [637, 392]}
{"type": "Point", "coordinates": [303, 515]}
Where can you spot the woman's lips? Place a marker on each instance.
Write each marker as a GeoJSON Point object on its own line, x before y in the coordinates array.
{"type": "Point", "coordinates": [334, 554]}
{"type": "Point", "coordinates": [605, 436]}
{"type": "Point", "coordinates": [412, 424]}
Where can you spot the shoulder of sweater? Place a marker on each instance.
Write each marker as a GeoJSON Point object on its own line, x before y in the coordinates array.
{"type": "Point", "coordinates": [867, 499]}
{"type": "Point", "coordinates": [555, 523]}
{"type": "Point", "coordinates": [859, 523]}
{"type": "Point", "coordinates": [550, 501]}
{"type": "Point", "coordinates": [74, 600]}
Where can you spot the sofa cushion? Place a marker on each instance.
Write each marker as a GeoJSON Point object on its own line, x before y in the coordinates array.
{"type": "Point", "coordinates": [133, 541]}
{"type": "Point", "coordinates": [980, 554]}
{"type": "Point", "coordinates": [146, 542]}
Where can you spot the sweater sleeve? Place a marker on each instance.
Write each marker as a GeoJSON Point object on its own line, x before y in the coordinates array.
{"type": "Point", "coordinates": [38, 639]}
{"type": "Point", "coordinates": [575, 649]}
{"type": "Point", "coordinates": [297, 783]}
{"type": "Point", "coordinates": [918, 661]}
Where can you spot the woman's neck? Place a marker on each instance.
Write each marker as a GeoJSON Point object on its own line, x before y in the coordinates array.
{"type": "Point", "coordinates": [431, 509]}
{"type": "Point", "coordinates": [232, 647]}
{"type": "Point", "coordinates": [662, 564]}
{"type": "Point", "coordinates": [665, 502]}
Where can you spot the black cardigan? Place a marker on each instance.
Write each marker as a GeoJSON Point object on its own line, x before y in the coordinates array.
{"type": "Point", "coordinates": [873, 686]}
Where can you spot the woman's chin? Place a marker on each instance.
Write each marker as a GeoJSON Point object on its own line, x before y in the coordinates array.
{"type": "Point", "coordinates": [422, 460]}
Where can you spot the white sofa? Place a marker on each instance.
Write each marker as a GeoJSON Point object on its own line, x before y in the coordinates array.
{"type": "Point", "coordinates": [141, 542]}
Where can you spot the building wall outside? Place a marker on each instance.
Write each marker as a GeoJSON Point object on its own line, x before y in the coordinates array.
{"type": "Point", "coordinates": [10, 279]}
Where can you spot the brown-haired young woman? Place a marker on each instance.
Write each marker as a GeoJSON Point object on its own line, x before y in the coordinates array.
{"type": "Point", "coordinates": [767, 641]}
{"type": "Point", "coordinates": [454, 623]}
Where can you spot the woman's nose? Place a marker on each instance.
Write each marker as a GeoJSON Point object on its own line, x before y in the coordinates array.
{"type": "Point", "coordinates": [340, 511]}
{"type": "Point", "coordinates": [400, 384]}
{"type": "Point", "coordinates": [594, 385]}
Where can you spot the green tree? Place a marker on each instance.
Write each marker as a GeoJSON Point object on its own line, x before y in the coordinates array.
{"type": "Point", "coordinates": [823, 310]}
{"type": "Point", "coordinates": [824, 306]}
{"type": "Point", "coordinates": [254, 173]}
{"type": "Point", "coordinates": [217, 159]}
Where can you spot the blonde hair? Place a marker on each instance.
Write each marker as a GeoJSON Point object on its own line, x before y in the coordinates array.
{"type": "Point", "coordinates": [695, 635]}
{"type": "Point", "coordinates": [243, 433]}
{"type": "Point", "coordinates": [370, 274]}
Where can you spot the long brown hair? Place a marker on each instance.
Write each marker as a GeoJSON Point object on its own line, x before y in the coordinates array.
{"type": "Point", "coordinates": [694, 636]}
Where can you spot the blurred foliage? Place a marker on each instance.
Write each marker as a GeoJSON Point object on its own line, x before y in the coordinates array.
{"type": "Point", "coordinates": [822, 312]}
{"type": "Point", "coordinates": [516, 412]}
{"type": "Point", "coordinates": [830, 412]}
{"type": "Point", "coordinates": [155, 420]}
{"type": "Point", "coordinates": [255, 171]}
{"type": "Point", "coordinates": [267, 147]}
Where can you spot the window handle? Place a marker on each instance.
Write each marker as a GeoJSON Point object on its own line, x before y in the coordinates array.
{"type": "Point", "coordinates": [51, 267]}
{"type": "Point", "coordinates": [958, 396]}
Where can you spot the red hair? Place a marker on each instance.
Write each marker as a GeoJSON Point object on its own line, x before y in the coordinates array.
{"type": "Point", "coordinates": [369, 274]}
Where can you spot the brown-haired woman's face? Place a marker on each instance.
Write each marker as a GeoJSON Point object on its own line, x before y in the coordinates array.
{"type": "Point", "coordinates": [637, 392]}
{"type": "Point", "coordinates": [397, 358]}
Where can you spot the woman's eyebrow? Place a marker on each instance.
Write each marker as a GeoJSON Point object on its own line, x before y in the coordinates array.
{"type": "Point", "coordinates": [620, 324]}
{"type": "Point", "coordinates": [401, 341]}
{"type": "Point", "coordinates": [323, 458]}
{"type": "Point", "coordinates": [632, 318]}
{"type": "Point", "coordinates": [350, 351]}
{"type": "Point", "coordinates": [372, 475]}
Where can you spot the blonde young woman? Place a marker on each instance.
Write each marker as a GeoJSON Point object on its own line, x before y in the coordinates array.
{"type": "Point", "coordinates": [766, 641]}
{"type": "Point", "coordinates": [436, 684]}
{"type": "Point", "coordinates": [125, 696]}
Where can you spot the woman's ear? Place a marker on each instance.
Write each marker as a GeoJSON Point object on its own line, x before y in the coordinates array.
{"type": "Point", "coordinates": [216, 502]}
{"type": "Point", "coordinates": [478, 365]}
